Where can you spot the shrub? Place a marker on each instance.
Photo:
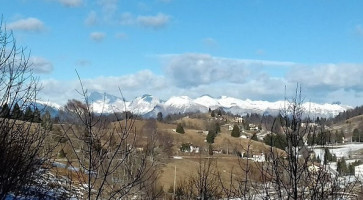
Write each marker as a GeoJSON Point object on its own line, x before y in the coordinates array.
{"type": "Point", "coordinates": [235, 131]}
{"type": "Point", "coordinates": [180, 129]}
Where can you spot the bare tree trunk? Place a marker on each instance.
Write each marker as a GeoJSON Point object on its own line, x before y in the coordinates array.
{"type": "Point", "coordinates": [23, 144]}
{"type": "Point", "coordinates": [115, 168]}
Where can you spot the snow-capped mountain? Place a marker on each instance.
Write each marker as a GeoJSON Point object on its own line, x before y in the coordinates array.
{"type": "Point", "coordinates": [149, 106]}
{"type": "Point", "coordinates": [106, 103]}
{"type": "Point", "coordinates": [208, 101]}
{"type": "Point", "coordinates": [144, 104]}
{"type": "Point", "coordinates": [183, 104]}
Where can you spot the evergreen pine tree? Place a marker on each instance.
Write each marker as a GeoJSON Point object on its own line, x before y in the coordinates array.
{"type": "Point", "coordinates": [16, 113]}
{"type": "Point", "coordinates": [47, 123]}
{"type": "Point", "coordinates": [235, 131]}
{"type": "Point", "coordinates": [210, 137]}
{"type": "Point", "coordinates": [180, 129]}
{"type": "Point", "coordinates": [159, 116]}
{"type": "Point", "coordinates": [342, 167]}
{"type": "Point", "coordinates": [210, 150]}
{"type": "Point", "coordinates": [5, 111]}
{"type": "Point", "coordinates": [36, 116]}
{"type": "Point", "coordinates": [219, 112]}
{"type": "Point", "coordinates": [28, 116]}
{"type": "Point", "coordinates": [218, 127]}
{"type": "Point", "coordinates": [213, 114]}
{"type": "Point", "coordinates": [328, 157]}
{"type": "Point", "coordinates": [254, 137]}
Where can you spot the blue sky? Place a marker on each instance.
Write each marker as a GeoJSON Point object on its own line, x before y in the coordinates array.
{"type": "Point", "coordinates": [244, 49]}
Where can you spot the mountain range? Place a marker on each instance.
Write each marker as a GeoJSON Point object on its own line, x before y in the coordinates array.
{"type": "Point", "coordinates": [148, 105]}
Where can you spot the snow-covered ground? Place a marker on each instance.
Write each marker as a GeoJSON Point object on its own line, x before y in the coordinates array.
{"type": "Point", "coordinates": [339, 150]}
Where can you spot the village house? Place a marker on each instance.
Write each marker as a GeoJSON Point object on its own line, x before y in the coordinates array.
{"type": "Point", "coordinates": [358, 171]}
{"type": "Point", "coordinates": [238, 119]}
{"type": "Point", "coordinates": [253, 127]}
{"type": "Point", "coordinates": [259, 157]}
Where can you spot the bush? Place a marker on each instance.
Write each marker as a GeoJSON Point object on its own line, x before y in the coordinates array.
{"type": "Point", "coordinates": [235, 131]}
{"type": "Point", "coordinates": [210, 137]}
{"type": "Point", "coordinates": [61, 154]}
{"type": "Point", "coordinates": [180, 129]}
{"type": "Point", "coordinates": [185, 147]}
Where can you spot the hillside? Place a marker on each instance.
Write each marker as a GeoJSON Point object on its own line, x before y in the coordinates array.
{"type": "Point", "coordinates": [348, 125]}
{"type": "Point", "coordinates": [229, 153]}
{"type": "Point", "coordinates": [226, 149]}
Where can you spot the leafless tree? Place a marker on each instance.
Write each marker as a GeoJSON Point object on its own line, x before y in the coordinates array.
{"type": "Point", "coordinates": [203, 184]}
{"type": "Point", "coordinates": [108, 162]}
{"type": "Point", "coordinates": [23, 145]}
{"type": "Point", "coordinates": [291, 174]}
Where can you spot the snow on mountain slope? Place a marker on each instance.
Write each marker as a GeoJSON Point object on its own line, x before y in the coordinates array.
{"type": "Point", "coordinates": [106, 103]}
{"type": "Point", "coordinates": [228, 102]}
{"type": "Point", "coordinates": [183, 104]}
{"type": "Point", "coordinates": [144, 104]}
{"type": "Point", "coordinates": [208, 102]}
{"type": "Point", "coordinates": [328, 110]}
{"type": "Point", "coordinates": [49, 104]}
{"type": "Point", "coordinates": [149, 106]}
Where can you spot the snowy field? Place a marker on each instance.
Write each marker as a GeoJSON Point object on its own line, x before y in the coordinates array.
{"type": "Point", "coordinates": [339, 150]}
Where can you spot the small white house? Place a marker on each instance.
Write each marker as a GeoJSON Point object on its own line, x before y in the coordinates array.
{"type": "Point", "coordinates": [253, 127]}
{"type": "Point", "coordinates": [259, 158]}
{"type": "Point", "coordinates": [238, 119]}
{"type": "Point", "coordinates": [358, 171]}
{"type": "Point", "coordinates": [313, 168]}
{"type": "Point", "coordinates": [194, 149]}
{"type": "Point", "coordinates": [243, 136]}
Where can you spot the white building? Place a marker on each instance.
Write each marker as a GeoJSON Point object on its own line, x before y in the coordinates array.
{"type": "Point", "coordinates": [238, 119]}
{"type": "Point", "coordinates": [358, 171]}
{"type": "Point", "coordinates": [259, 158]}
{"type": "Point", "coordinates": [194, 149]}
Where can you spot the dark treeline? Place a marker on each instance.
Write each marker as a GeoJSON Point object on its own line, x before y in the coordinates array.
{"type": "Point", "coordinates": [348, 114]}
{"type": "Point", "coordinates": [30, 114]}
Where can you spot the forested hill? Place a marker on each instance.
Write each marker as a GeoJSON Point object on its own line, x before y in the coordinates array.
{"type": "Point", "coordinates": [342, 116]}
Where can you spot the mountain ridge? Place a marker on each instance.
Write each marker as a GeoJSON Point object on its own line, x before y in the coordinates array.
{"type": "Point", "coordinates": [148, 105]}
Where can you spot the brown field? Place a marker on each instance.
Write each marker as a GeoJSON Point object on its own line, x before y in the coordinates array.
{"type": "Point", "coordinates": [186, 167]}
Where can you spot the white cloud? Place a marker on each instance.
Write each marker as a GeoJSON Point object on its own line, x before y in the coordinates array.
{"type": "Point", "coordinates": [28, 24]}
{"type": "Point", "coordinates": [152, 21]}
{"type": "Point", "coordinates": [131, 85]}
{"type": "Point", "coordinates": [210, 42]}
{"type": "Point", "coordinates": [83, 63]}
{"type": "Point", "coordinates": [127, 19]}
{"type": "Point", "coordinates": [71, 3]}
{"type": "Point", "coordinates": [142, 79]}
{"type": "Point", "coordinates": [41, 65]}
{"type": "Point", "coordinates": [359, 30]}
{"type": "Point", "coordinates": [328, 76]}
{"type": "Point", "coordinates": [121, 35]}
{"type": "Point", "coordinates": [143, 6]}
{"type": "Point", "coordinates": [191, 70]}
{"type": "Point", "coordinates": [108, 6]}
{"type": "Point", "coordinates": [157, 21]}
{"type": "Point", "coordinates": [260, 52]}
{"type": "Point", "coordinates": [97, 36]}
{"type": "Point", "coordinates": [91, 19]}
{"type": "Point", "coordinates": [197, 74]}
